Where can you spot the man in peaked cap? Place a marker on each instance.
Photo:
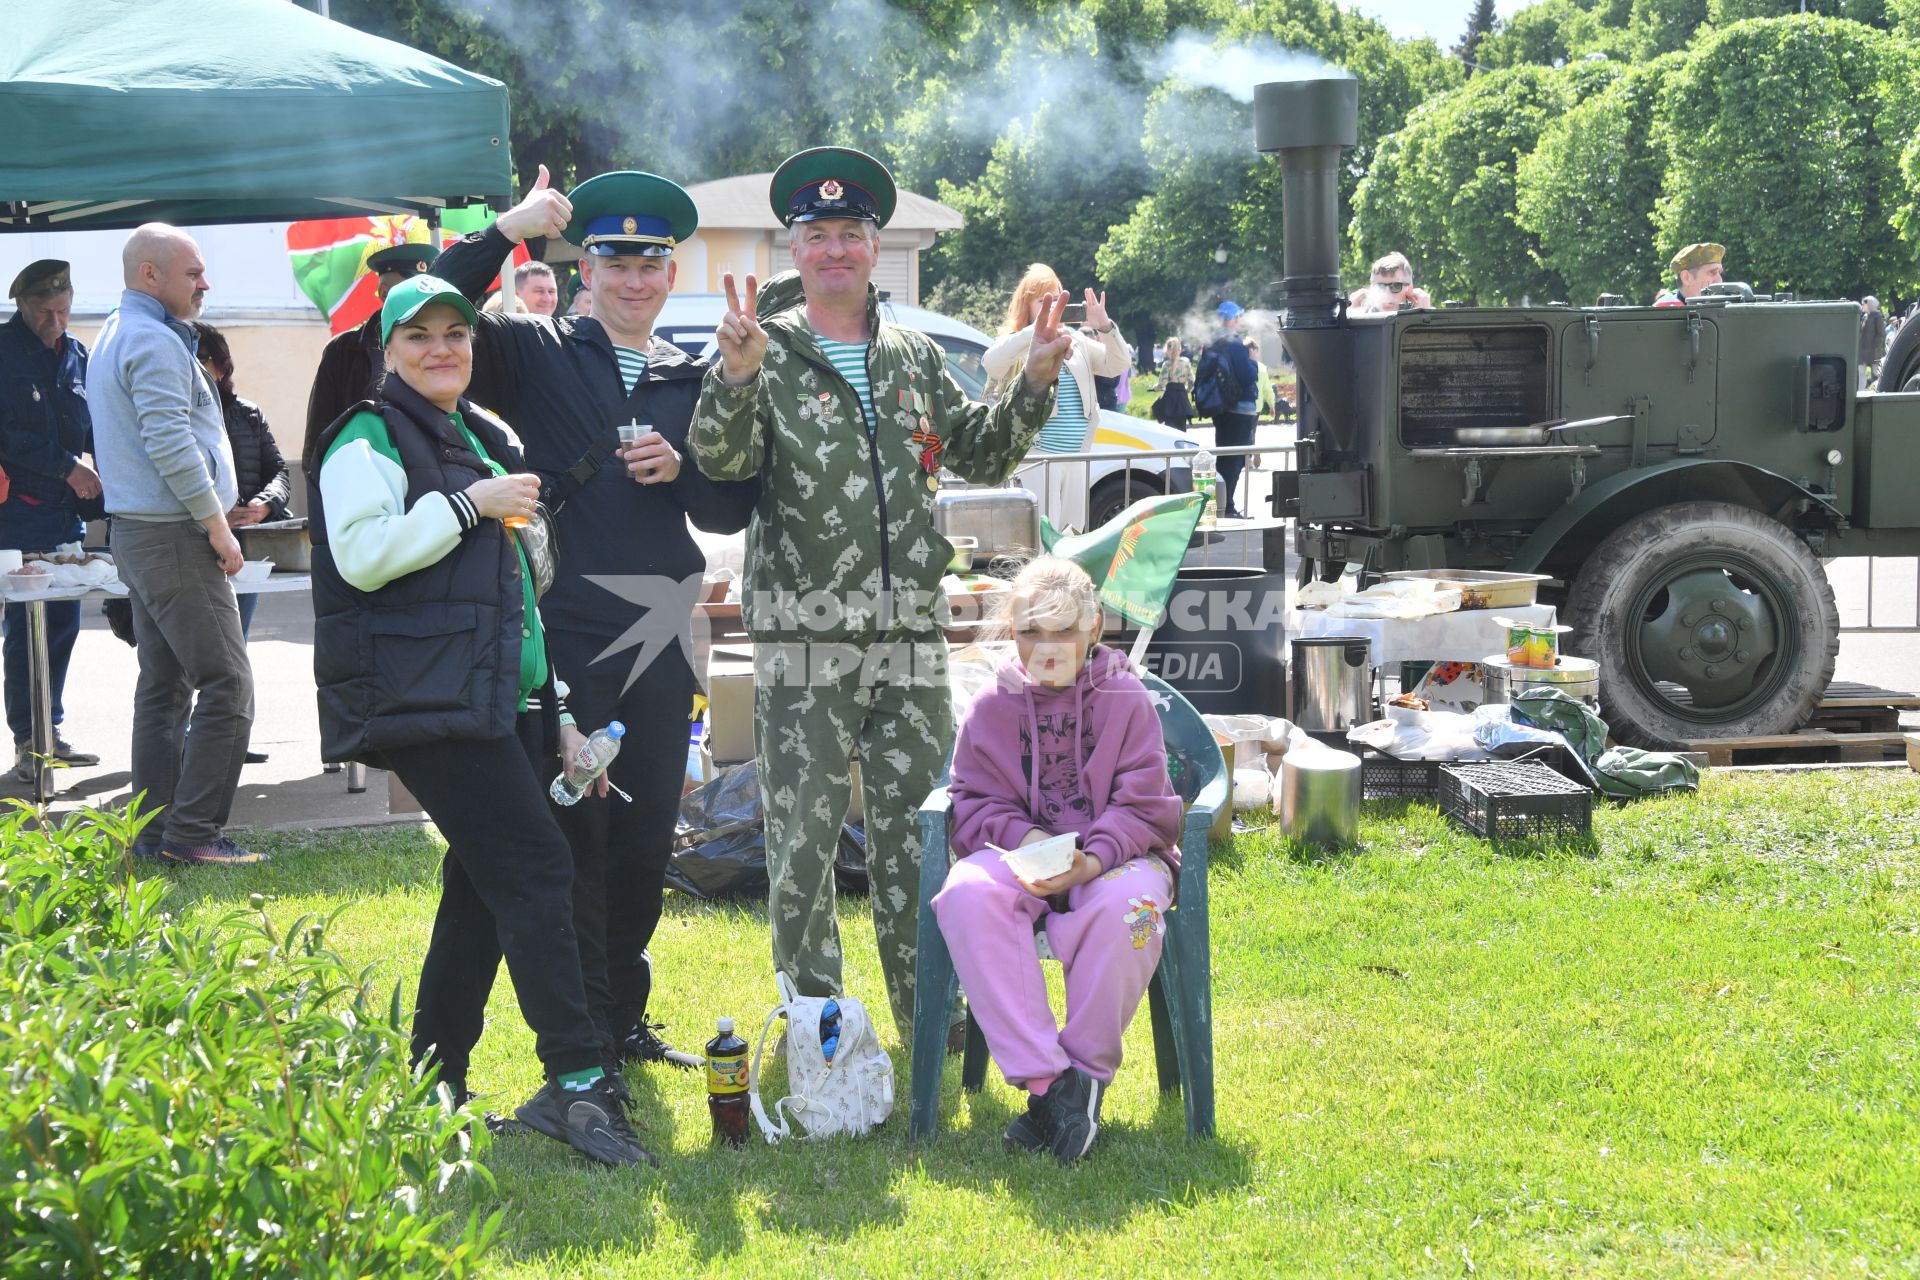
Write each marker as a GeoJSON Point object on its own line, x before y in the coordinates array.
{"type": "Point", "coordinates": [618, 614]}
{"type": "Point", "coordinates": [353, 361]}
{"type": "Point", "coordinates": [44, 430]}
{"type": "Point", "coordinates": [847, 420]}
{"type": "Point", "coordinates": [1697, 266]}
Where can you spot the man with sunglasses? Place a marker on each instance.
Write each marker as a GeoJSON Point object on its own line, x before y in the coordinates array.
{"type": "Point", "coordinates": [1392, 288]}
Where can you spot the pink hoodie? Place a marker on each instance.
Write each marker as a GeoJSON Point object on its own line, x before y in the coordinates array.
{"type": "Point", "coordinates": [1100, 767]}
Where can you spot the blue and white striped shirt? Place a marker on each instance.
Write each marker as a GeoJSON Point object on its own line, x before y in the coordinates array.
{"type": "Point", "coordinates": [1066, 430]}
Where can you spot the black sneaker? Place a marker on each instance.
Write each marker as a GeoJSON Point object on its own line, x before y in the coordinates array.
{"type": "Point", "coordinates": [66, 753]}
{"type": "Point", "coordinates": [589, 1121]}
{"type": "Point", "coordinates": [643, 1044]}
{"type": "Point", "coordinates": [1073, 1105]}
{"type": "Point", "coordinates": [1031, 1129]}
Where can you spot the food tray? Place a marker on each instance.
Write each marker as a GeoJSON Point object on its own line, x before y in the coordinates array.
{"type": "Point", "coordinates": [1481, 588]}
{"type": "Point", "coordinates": [1512, 800]}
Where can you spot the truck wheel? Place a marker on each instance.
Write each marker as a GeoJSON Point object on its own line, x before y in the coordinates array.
{"type": "Point", "coordinates": [1900, 369]}
{"type": "Point", "coordinates": [1708, 620]}
{"type": "Point", "coordinates": [1116, 493]}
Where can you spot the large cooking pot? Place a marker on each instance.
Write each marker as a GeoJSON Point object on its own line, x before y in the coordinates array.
{"type": "Point", "coordinates": [1320, 796]}
{"type": "Point", "coordinates": [1575, 677]}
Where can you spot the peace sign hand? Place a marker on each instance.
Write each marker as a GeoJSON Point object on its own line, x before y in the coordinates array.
{"type": "Point", "coordinates": [541, 212]}
{"type": "Point", "coordinates": [742, 342]}
{"type": "Point", "coordinates": [1050, 344]}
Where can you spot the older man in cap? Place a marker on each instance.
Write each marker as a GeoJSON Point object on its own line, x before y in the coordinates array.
{"type": "Point", "coordinates": [848, 420]}
{"type": "Point", "coordinates": [617, 617]}
{"type": "Point", "coordinates": [354, 361]}
{"type": "Point", "coordinates": [44, 430]}
{"type": "Point", "coordinates": [1696, 266]}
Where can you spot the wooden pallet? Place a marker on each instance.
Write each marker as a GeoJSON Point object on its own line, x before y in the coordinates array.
{"type": "Point", "coordinates": [1854, 724]}
{"type": "Point", "coordinates": [1847, 707]}
{"type": "Point", "coordinates": [1809, 746]}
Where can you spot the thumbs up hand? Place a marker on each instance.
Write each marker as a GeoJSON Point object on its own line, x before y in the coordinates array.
{"type": "Point", "coordinates": [541, 212]}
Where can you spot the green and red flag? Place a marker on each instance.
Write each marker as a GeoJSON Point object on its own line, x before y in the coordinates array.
{"type": "Point", "coordinates": [1133, 557]}
{"type": "Point", "coordinates": [330, 256]}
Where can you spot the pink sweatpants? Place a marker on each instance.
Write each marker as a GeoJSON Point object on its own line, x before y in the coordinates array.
{"type": "Point", "coordinates": [1108, 942]}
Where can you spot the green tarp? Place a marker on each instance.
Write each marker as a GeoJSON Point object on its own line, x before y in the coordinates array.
{"type": "Point", "coordinates": [118, 112]}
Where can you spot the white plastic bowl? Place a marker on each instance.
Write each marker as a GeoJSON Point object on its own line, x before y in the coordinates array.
{"type": "Point", "coordinates": [1043, 859]}
{"type": "Point", "coordinates": [254, 571]}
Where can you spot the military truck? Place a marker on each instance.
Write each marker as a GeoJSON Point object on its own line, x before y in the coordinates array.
{"type": "Point", "coordinates": [1681, 472]}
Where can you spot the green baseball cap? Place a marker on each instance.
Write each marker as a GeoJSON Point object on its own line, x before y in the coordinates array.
{"type": "Point", "coordinates": [410, 295]}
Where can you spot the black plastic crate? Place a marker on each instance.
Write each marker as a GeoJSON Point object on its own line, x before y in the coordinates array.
{"type": "Point", "coordinates": [1514, 800]}
{"type": "Point", "coordinates": [1383, 777]}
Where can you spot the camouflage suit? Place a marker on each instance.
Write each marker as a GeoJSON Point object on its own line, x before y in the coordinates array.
{"type": "Point", "coordinates": [842, 598]}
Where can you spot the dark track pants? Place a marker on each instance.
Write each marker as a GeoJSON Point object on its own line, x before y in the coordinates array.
{"type": "Point", "coordinates": [621, 851]}
{"type": "Point", "coordinates": [506, 889]}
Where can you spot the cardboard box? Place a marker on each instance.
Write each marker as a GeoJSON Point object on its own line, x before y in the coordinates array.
{"type": "Point", "coordinates": [730, 703]}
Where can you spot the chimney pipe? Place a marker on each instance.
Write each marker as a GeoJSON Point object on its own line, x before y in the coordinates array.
{"type": "Point", "coordinates": [1309, 122]}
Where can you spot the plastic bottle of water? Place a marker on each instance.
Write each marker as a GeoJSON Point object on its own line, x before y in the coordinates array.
{"type": "Point", "coordinates": [588, 764]}
{"type": "Point", "coordinates": [1206, 480]}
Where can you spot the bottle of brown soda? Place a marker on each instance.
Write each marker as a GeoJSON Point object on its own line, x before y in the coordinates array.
{"type": "Point", "coordinates": [727, 1085]}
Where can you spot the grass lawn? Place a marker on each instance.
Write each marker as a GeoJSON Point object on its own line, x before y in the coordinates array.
{"type": "Point", "coordinates": [1690, 1048]}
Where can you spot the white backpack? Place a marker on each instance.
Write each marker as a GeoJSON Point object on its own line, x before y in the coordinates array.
{"type": "Point", "coordinates": [852, 1094]}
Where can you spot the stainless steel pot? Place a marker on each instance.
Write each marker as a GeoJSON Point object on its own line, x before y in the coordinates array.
{"type": "Point", "coordinates": [1575, 677]}
{"type": "Point", "coordinates": [1332, 684]}
{"type": "Point", "coordinates": [1320, 796]}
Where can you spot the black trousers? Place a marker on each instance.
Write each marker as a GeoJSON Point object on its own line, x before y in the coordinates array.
{"type": "Point", "coordinates": [620, 850]}
{"type": "Point", "coordinates": [505, 889]}
{"type": "Point", "coordinates": [1231, 429]}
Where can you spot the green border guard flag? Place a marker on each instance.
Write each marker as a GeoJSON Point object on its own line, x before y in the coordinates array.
{"type": "Point", "coordinates": [1134, 557]}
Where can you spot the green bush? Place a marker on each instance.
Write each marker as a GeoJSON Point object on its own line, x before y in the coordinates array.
{"type": "Point", "coordinates": [207, 1101]}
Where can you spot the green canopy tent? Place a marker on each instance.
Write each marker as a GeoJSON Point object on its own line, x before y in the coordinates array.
{"type": "Point", "coordinates": [118, 112]}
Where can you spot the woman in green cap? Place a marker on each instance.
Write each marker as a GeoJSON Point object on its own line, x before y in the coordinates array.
{"type": "Point", "coordinates": [431, 662]}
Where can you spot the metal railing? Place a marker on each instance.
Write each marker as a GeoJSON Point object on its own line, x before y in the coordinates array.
{"type": "Point", "coordinates": [1877, 578]}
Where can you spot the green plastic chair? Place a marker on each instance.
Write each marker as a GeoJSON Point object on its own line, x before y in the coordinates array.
{"type": "Point", "coordinates": [1180, 998]}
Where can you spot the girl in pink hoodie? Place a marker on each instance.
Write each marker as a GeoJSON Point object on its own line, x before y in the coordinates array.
{"type": "Point", "coordinates": [1065, 740]}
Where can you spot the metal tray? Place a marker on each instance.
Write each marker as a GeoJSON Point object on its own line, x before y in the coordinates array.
{"type": "Point", "coordinates": [1481, 588]}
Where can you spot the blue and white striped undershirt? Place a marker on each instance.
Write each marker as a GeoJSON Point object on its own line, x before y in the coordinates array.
{"type": "Point", "coordinates": [633, 365]}
{"type": "Point", "coordinates": [1066, 430]}
{"type": "Point", "coordinates": [849, 360]}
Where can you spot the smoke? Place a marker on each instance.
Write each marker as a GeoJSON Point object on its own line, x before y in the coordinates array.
{"type": "Point", "coordinates": [1201, 61]}
{"type": "Point", "coordinates": [700, 89]}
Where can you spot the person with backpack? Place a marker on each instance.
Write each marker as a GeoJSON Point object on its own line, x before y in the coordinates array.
{"type": "Point", "coordinates": [1066, 740]}
{"type": "Point", "coordinates": [1226, 389]}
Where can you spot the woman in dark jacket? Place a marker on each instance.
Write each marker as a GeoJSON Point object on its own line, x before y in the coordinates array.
{"type": "Point", "coordinates": [431, 662]}
{"type": "Point", "coordinates": [259, 470]}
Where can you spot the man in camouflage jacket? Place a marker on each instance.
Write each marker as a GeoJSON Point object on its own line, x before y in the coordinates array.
{"type": "Point", "coordinates": [842, 593]}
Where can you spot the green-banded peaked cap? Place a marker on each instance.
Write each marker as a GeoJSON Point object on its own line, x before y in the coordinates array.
{"type": "Point", "coordinates": [832, 182]}
{"type": "Point", "coordinates": [629, 212]}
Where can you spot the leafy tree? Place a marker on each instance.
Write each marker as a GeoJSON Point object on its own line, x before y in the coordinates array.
{"type": "Point", "coordinates": [1784, 138]}
{"type": "Point", "coordinates": [1443, 189]}
{"type": "Point", "coordinates": [1552, 33]}
{"type": "Point", "coordinates": [1587, 190]}
{"type": "Point", "coordinates": [1661, 26]}
{"type": "Point", "coordinates": [1724, 13]}
{"type": "Point", "coordinates": [1480, 25]}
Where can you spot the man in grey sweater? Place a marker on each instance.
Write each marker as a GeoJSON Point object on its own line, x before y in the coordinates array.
{"type": "Point", "coordinates": [161, 445]}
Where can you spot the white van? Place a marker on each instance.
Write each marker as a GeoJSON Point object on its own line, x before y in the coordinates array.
{"type": "Point", "coordinates": [1113, 481]}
